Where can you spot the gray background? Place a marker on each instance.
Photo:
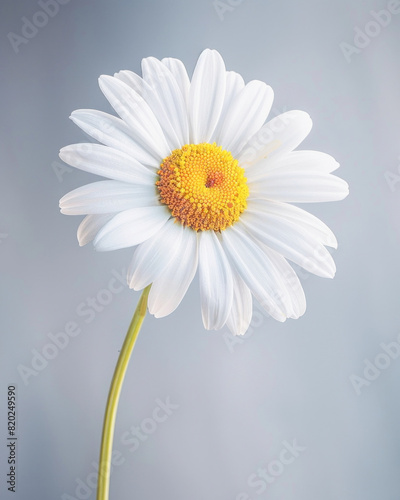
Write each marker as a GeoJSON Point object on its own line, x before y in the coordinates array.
{"type": "Point", "coordinates": [237, 403]}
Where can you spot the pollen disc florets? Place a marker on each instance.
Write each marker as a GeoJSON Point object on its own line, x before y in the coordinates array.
{"type": "Point", "coordinates": [203, 186]}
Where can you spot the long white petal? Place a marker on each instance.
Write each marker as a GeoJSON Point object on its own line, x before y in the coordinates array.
{"type": "Point", "coordinates": [308, 222]}
{"type": "Point", "coordinates": [241, 312]}
{"type": "Point", "coordinates": [134, 81]}
{"type": "Point", "coordinates": [291, 241]}
{"type": "Point", "coordinates": [136, 113]}
{"type": "Point", "coordinates": [245, 116]}
{"type": "Point", "coordinates": [234, 84]}
{"type": "Point", "coordinates": [216, 283]}
{"type": "Point", "coordinates": [277, 137]}
{"type": "Point", "coordinates": [290, 281]}
{"type": "Point", "coordinates": [256, 271]}
{"type": "Point", "coordinates": [107, 162]}
{"type": "Point", "coordinates": [113, 132]}
{"type": "Point", "coordinates": [299, 160]}
{"type": "Point", "coordinates": [206, 96]}
{"type": "Point", "coordinates": [292, 185]}
{"type": "Point", "coordinates": [158, 107]}
{"type": "Point", "coordinates": [153, 255]}
{"type": "Point", "coordinates": [178, 69]}
{"type": "Point", "coordinates": [272, 264]}
{"type": "Point", "coordinates": [168, 290]}
{"type": "Point", "coordinates": [171, 101]}
{"type": "Point", "coordinates": [106, 197]}
{"type": "Point", "coordinates": [308, 160]}
{"type": "Point", "coordinates": [90, 226]}
{"type": "Point", "coordinates": [131, 227]}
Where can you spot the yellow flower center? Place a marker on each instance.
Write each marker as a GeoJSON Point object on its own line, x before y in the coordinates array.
{"type": "Point", "coordinates": [203, 186]}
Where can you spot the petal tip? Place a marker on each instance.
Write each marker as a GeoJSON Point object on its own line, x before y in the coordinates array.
{"type": "Point", "coordinates": [104, 80]}
{"type": "Point", "coordinates": [62, 153]}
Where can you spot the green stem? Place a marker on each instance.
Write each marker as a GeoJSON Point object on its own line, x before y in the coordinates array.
{"type": "Point", "coordinates": [113, 396]}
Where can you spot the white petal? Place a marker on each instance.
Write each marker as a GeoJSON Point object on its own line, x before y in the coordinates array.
{"type": "Point", "coordinates": [162, 94]}
{"type": "Point", "coordinates": [134, 81]}
{"type": "Point", "coordinates": [234, 84]}
{"type": "Point", "coordinates": [207, 93]}
{"type": "Point", "coordinates": [131, 227]}
{"type": "Point", "coordinates": [171, 101]}
{"type": "Point", "coordinates": [136, 113]}
{"type": "Point", "coordinates": [178, 69]}
{"type": "Point", "coordinates": [299, 160]}
{"type": "Point", "coordinates": [277, 137]}
{"type": "Point", "coordinates": [245, 116]}
{"type": "Point", "coordinates": [308, 160]}
{"type": "Point", "coordinates": [158, 107]}
{"type": "Point", "coordinates": [113, 132]}
{"type": "Point", "coordinates": [256, 271]}
{"type": "Point", "coordinates": [292, 185]}
{"type": "Point", "coordinates": [290, 240]}
{"type": "Point", "coordinates": [152, 256]}
{"type": "Point", "coordinates": [291, 282]}
{"type": "Point", "coordinates": [106, 197]}
{"type": "Point", "coordinates": [168, 290]}
{"type": "Point", "coordinates": [107, 162]}
{"type": "Point", "coordinates": [90, 226]}
{"type": "Point", "coordinates": [308, 222]}
{"type": "Point", "coordinates": [242, 307]}
{"type": "Point", "coordinates": [216, 284]}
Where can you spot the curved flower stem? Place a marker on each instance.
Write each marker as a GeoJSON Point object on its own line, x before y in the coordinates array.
{"type": "Point", "coordinates": [113, 396]}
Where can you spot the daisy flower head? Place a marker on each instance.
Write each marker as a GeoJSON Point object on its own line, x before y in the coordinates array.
{"type": "Point", "coordinates": [198, 180]}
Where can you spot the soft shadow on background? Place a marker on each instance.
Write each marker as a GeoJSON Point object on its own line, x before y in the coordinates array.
{"type": "Point", "coordinates": [232, 406]}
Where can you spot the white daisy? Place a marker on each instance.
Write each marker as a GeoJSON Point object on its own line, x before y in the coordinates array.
{"type": "Point", "coordinates": [198, 181]}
